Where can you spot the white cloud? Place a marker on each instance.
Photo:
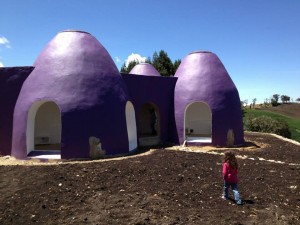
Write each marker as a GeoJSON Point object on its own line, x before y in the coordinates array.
{"type": "Point", "coordinates": [117, 59]}
{"type": "Point", "coordinates": [134, 57]}
{"type": "Point", "coordinates": [4, 41]}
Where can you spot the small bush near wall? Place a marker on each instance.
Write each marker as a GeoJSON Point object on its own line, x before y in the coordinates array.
{"type": "Point", "coordinates": [266, 124]}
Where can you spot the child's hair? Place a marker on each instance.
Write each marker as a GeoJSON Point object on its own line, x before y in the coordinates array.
{"type": "Point", "coordinates": [229, 157]}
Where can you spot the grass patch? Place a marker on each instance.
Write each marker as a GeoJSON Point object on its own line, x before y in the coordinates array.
{"type": "Point", "coordinates": [294, 124]}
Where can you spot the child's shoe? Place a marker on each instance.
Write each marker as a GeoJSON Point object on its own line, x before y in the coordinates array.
{"type": "Point", "coordinates": [223, 197]}
{"type": "Point", "coordinates": [239, 202]}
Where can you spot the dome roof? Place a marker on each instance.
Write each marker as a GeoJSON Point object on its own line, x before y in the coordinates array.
{"type": "Point", "coordinates": [144, 69]}
{"type": "Point", "coordinates": [202, 73]}
{"type": "Point", "coordinates": [73, 50]}
{"type": "Point", "coordinates": [73, 68]}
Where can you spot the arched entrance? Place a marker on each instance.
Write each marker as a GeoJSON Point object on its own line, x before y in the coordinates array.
{"type": "Point", "coordinates": [43, 135]}
{"type": "Point", "coordinates": [131, 126]}
{"type": "Point", "coordinates": [149, 125]}
{"type": "Point", "coordinates": [198, 123]}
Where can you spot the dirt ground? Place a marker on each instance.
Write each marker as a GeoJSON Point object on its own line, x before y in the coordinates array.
{"type": "Point", "coordinates": [165, 186]}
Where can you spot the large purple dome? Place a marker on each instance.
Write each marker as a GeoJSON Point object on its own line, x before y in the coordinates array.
{"type": "Point", "coordinates": [205, 92]}
{"type": "Point", "coordinates": [77, 74]}
{"type": "Point", "coordinates": [144, 69]}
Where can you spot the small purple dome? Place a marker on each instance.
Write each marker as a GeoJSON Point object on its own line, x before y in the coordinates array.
{"type": "Point", "coordinates": [144, 69]}
{"type": "Point", "coordinates": [75, 72]}
{"type": "Point", "coordinates": [203, 79]}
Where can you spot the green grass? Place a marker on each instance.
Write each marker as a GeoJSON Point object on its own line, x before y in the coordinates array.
{"type": "Point", "coordinates": [294, 124]}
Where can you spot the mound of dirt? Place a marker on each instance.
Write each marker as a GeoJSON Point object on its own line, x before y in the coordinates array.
{"type": "Point", "coordinates": [161, 187]}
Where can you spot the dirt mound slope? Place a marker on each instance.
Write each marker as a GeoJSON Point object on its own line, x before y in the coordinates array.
{"type": "Point", "coordinates": [162, 187]}
{"type": "Point", "coordinates": [291, 110]}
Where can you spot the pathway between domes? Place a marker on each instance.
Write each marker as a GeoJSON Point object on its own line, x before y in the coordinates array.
{"type": "Point", "coordinates": [220, 151]}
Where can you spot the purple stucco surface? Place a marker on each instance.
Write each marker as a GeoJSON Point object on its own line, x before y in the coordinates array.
{"type": "Point", "coordinates": [77, 73]}
{"type": "Point", "coordinates": [156, 90]}
{"type": "Point", "coordinates": [203, 78]}
{"type": "Point", "coordinates": [144, 69]}
{"type": "Point", "coordinates": [11, 80]}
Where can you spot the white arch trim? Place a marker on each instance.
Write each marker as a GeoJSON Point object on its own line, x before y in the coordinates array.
{"type": "Point", "coordinates": [131, 126]}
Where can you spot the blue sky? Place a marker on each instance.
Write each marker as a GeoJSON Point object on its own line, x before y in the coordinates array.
{"type": "Point", "coordinates": [257, 41]}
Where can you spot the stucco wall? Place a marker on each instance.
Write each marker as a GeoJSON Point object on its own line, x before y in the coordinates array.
{"type": "Point", "coordinates": [11, 81]}
{"type": "Point", "coordinates": [153, 89]}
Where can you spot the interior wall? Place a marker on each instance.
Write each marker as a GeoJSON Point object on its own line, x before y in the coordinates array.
{"type": "Point", "coordinates": [131, 126]}
{"type": "Point", "coordinates": [48, 122]}
{"type": "Point", "coordinates": [198, 117]}
{"type": "Point", "coordinates": [44, 120]}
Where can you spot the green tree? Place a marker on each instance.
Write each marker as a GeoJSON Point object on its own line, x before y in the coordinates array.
{"type": "Point", "coordinates": [148, 60]}
{"type": "Point", "coordinates": [176, 64]}
{"type": "Point", "coordinates": [298, 99]}
{"type": "Point", "coordinates": [163, 63]}
{"type": "Point", "coordinates": [127, 69]}
{"type": "Point", "coordinates": [123, 68]}
{"type": "Point", "coordinates": [274, 100]}
{"type": "Point", "coordinates": [285, 98]}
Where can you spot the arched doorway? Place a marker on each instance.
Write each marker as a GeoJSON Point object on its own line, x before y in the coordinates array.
{"type": "Point", "coordinates": [149, 125]}
{"type": "Point", "coordinates": [43, 133]}
{"type": "Point", "coordinates": [198, 123]}
{"type": "Point", "coordinates": [131, 126]}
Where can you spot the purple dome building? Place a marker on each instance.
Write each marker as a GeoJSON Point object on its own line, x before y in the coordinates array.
{"type": "Point", "coordinates": [144, 69]}
{"type": "Point", "coordinates": [75, 92]}
{"type": "Point", "coordinates": [207, 104]}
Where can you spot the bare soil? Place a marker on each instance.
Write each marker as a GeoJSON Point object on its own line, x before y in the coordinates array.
{"type": "Point", "coordinates": [164, 186]}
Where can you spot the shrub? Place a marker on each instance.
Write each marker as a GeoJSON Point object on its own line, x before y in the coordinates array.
{"type": "Point", "coordinates": [266, 124]}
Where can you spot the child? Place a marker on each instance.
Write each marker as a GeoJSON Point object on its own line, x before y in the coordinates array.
{"type": "Point", "coordinates": [230, 167]}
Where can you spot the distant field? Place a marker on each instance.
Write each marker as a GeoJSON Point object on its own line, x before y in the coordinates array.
{"type": "Point", "coordinates": [293, 122]}
{"type": "Point", "coordinates": [290, 110]}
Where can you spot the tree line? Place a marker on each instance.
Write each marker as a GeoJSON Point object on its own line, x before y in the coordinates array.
{"type": "Point", "coordinates": [161, 62]}
{"type": "Point", "coordinates": [274, 101]}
